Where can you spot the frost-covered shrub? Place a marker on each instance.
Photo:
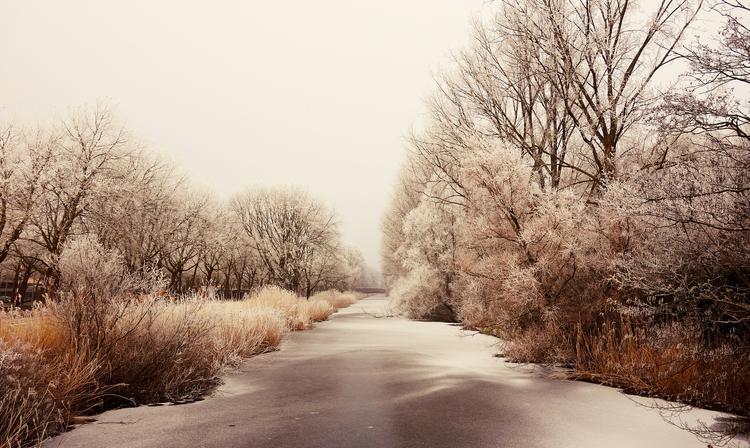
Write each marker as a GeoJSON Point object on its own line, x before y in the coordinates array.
{"type": "Point", "coordinates": [98, 295]}
{"type": "Point", "coordinates": [336, 299]}
{"type": "Point", "coordinates": [420, 295]}
{"type": "Point", "coordinates": [534, 261]}
{"type": "Point", "coordinates": [429, 254]}
{"type": "Point", "coordinates": [142, 342]}
{"type": "Point", "coordinates": [689, 240]}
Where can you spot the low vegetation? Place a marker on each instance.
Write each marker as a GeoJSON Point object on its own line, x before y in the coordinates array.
{"type": "Point", "coordinates": [337, 299]}
{"type": "Point", "coordinates": [670, 361]}
{"type": "Point", "coordinates": [143, 288]}
{"type": "Point", "coordinates": [114, 339]}
{"type": "Point", "coordinates": [87, 176]}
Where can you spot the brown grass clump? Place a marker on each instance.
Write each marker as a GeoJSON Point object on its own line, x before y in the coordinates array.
{"type": "Point", "coordinates": [294, 308]}
{"type": "Point", "coordinates": [337, 299]}
{"type": "Point", "coordinates": [106, 341]}
{"type": "Point", "coordinates": [242, 329]}
{"type": "Point", "coordinates": [160, 352]}
{"type": "Point", "coordinates": [668, 360]}
{"type": "Point", "coordinates": [27, 407]}
{"type": "Point", "coordinates": [60, 361]}
{"type": "Point", "coordinates": [39, 392]}
{"type": "Point", "coordinates": [302, 313]}
{"type": "Point", "coordinates": [545, 343]}
{"type": "Point", "coordinates": [36, 327]}
{"type": "Point", "coordinates": [319, 310]}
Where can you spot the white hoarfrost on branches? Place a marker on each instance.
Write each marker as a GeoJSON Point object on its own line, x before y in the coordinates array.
{"type": "Point", "coordinates": [88, 178]}
{"type": "Point", "coordinates": [556, 200]}
{"type": "Point", "coordinates": [296, 237]}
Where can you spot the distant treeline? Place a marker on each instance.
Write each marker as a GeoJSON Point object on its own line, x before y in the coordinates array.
{"type": "Point", "coordinates": [87, 177]}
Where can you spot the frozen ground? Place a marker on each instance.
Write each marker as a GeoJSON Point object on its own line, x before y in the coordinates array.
{"type": "Point", "coordinates": [363, 381]}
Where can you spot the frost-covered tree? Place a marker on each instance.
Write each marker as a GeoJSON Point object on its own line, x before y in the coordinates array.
{"type": "Point", "coordinates": [604, 56]}
{"type": "Point", "coordinates": [294, 234]}
{"type": "Point", "coordinates": [405, 196]}
{"type": "Point", "coordinates": [88, 147]}
{"type": "Point", "coordinates": [189, 219]}
{"type": "Point", "coordinates": [691, 202]}
{"type": "Point", "coordinates": [23, 161]}
{"type": "Point", "coordinates": [429, 254]}
{"type": "Point", "coordinates": [134, 218]}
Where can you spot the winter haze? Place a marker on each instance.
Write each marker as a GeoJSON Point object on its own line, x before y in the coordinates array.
{"type": "Point", "coordinates": [316, 94]}
{"type": "Point", "coordinates": [288, 217]}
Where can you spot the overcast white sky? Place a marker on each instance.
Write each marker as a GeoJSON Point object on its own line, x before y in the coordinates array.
{"type": "Point", "coordinates": [314, 93]}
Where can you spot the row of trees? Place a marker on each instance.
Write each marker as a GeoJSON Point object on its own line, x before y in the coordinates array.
{"type": "Point", "coordinates": [557, 191]}
{"type": "Point", "coordinates": [87, 177]}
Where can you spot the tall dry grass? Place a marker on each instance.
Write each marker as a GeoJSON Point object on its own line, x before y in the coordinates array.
{"type": "Point", "coordinates": [242, 329]}
{"type": "Point", "coordinates": [36, 327]}
{"type": "Point", "coordinates": [292, 306]}
{"type": "Point", "coordinates": [670, 361]}
{"type": "Point", "coordinates": [69, 359]}
{"type": "Point", "coordinates": [302, 313]}
{"type": "Point", "coordinates": [40, 390]}
{"type": "Point", "coordinates": [337, 299]}
{"type": "Point", "coordinates": [319, 310]}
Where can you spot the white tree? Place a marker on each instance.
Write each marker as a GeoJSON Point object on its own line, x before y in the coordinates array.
{"type": "Point", "coordinates": [294, 234]}
{"type": "Point", "coordinates": [23, 161]}
{"type": "Point", "coordinates": [86, 153]}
